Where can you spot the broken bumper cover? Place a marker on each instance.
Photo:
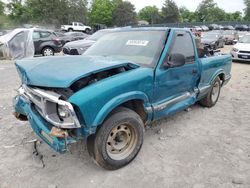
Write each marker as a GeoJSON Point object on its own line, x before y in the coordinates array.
{"type": "Point", "coordinates": [40, 126]}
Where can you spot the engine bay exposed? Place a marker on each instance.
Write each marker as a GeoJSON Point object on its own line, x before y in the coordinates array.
{"type": "Point", "coordinates": [88, 80]}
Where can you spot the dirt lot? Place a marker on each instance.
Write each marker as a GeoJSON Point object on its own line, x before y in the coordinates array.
{"type": "Point", "coordinates": [197, 148]}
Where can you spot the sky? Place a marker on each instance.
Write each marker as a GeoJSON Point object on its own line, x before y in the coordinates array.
{"type": "Point", "coordinates": [227, 5]}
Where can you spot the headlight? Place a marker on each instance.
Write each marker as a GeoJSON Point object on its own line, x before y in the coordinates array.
{"type": "Point", "coordinates": [235, 50]}
{"type": "Point", "coordinates": [63, 112]}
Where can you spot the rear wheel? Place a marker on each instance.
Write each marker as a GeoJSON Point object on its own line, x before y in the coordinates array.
{"type": "Point", "coordinates": [70, 30]}
{"type": "Point", "coordinates": [87, 31]}
{"type": "Point", "coordinates": [213, 95]}
{"type": "Point", "coordinates": [118, 140]}
{"type": "Point", "coordinates": [47, 51]}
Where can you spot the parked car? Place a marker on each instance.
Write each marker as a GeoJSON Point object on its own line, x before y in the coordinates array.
{"type": "Point", "coordinates": [228, 27]}
{"type": "Point", "coordinates": [197, 28]}
{"type": "Point", "coordinates": [241, 50]}
{"type": "Point", "coordinates": [71, 36]}
{"type": "Point", "coordinates": [17, 44]}
{"type": "Point", "coordinates": [241, 28]}
{"type": "Point", "coordinates": [46, 42]}
{"type": "Point", "coordinates": [80, 46]}
{"type": "Point", "coordinates": [204, 28]}
{"type": "Point", "coordinates": [230, 36]}
{"type": "Point", "coordinates": [212, 40]}
{"type": "Point", "coordinates": [127, 79]}
{"type": "Point", "coordinates": [76, 26]}
{"type": "Point", "coordinates": [213, 27]}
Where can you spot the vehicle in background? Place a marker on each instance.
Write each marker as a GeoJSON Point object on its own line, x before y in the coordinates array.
{"type": "Point", "coordinates": [46, 42]}
{"type": "Point", "coordinates": [107, 96]}
{"type": "Point", "coordinates": [212, 40]}
{"type": "Point", "coordinates": [76, 26]}
{"type": "Point", "coordinates": [213, 27]}
{"type": "Point", "coordinates": [221, 27]}
{"type": "Point", "coordinates": [197, 28]}
{"type": "Point", "coordinates": [17, 44]}
{"type": "Point", "coordinates": [241, 50]}
{"type": "Point", "coordinates": [71, 36]}
{"type": "Point", "coordinates": [80, 46]}
{"type": "Point", "coordinates": [241, 28]}
{"type": "Point", "coordinates": [230, 36]}
{"type": "Point", "coordinates": [97, 27]}
{"type": "Point", "coordinates": [242, 33]}
{"type": "Point", "coordinates": [228, 27]}
{"type": "Point", "coordinates": [204, 28]}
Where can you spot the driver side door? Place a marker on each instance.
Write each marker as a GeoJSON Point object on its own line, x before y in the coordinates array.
{"type": "Point", "coordinates": [175, 85]}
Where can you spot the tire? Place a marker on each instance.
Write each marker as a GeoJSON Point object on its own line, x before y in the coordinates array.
{"type": "Point", "coordinates": [118, 140]}
{"type": "Point", "coordinates": [213, 95]}
{"type": "Point", "coordinates": [87, 31]}
{"type": "Point", "coordinates": [70, 30]}
{"type": "Point", "coordinates": [48, 51]}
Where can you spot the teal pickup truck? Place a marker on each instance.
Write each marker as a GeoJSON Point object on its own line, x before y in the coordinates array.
{"type": "Point", "coordinates": [126, 80]}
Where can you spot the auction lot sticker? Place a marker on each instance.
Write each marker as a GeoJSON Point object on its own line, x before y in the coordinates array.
{"type": "Point", "coordinates": [137, 43]}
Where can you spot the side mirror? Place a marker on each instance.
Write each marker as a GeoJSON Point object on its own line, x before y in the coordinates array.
{"type": "Point", "coordinates": [175, 60]}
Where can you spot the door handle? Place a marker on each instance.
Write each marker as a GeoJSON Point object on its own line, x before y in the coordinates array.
{"type": "Point", "coordinates": [194, 71]}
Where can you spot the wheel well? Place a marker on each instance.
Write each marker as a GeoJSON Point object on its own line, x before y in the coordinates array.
{"type": "Point", "coordinates": [136, 105]}
{"type": "Point", "coordinates": [222, 77]}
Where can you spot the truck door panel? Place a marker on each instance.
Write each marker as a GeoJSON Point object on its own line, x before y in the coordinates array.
{"type": "Point", "coordinates": [174, 86]}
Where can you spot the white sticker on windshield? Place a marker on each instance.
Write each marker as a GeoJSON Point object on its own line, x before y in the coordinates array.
{"type": "Point", "coordinates": [137, 43]}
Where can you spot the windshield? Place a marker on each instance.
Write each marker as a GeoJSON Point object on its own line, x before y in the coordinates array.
{"type": "Point", "coordinates": [245, 39]}
{"type": "Point", "coordinates": [210, 36]}
{"type": "Point", "coordinates": [141, 47]}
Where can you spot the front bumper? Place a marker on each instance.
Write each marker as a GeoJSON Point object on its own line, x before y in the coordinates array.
{"type": "Point", "coordinates": [40, 126]}
{"type": "Point", "coordinates": [240, 56]}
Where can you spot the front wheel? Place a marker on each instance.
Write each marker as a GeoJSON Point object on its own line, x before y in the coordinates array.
{"type": "Point", "coordinates": [213, 95]}
{"type": "Point", "coordinates": [118, 141]}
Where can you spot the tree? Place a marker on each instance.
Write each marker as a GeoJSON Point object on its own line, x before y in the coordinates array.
{"type": "Point", "coordinates": [101, 12]}
{"type": "Point", "coordinates": [209, 11]}
{"type": "Point", "coordinates": [150, 14]}
{"type": "Point", "coordinates": [124, 14]}
{"type": "Point", "coordinates": [2, 6]}
{"type": "Point", "coordinates": [170, 12]}
{"type": "Point", "coordinates": [186, 15]}
{"type": "Point", "coordinates": [18, 12]}
{"type": "Point", "coordinates": [247, 10]}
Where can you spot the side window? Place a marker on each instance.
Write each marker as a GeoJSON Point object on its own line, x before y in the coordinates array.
{"type": "Point", "coordinates": [183, 44]}
{"type": "Point", "coordinates": [44, 34]}
{"type": "Point", "coordinates": [36, 35]}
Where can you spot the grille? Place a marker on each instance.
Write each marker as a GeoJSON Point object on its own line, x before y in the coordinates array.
{"type": "Point", "coordinates": [245, 52]}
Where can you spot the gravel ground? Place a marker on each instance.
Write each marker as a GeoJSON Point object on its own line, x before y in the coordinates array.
{"type": "Point", "coordinates": [198, 148]}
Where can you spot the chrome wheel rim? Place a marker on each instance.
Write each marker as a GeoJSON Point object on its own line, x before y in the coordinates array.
{"type": "Point", "coordinates": [121, 142]}
{"type": "Point", "coordinates": [215, 91]}
{"type": "Point", "coordinates": [48, 52]}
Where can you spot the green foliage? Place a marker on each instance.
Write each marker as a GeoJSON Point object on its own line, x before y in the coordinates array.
{"type": "Point", "coordinates": [170, 12]}
{"type": "Point", "coordinates": [54, 12]}
{"type": "Point", "coordinates": [150, 14]}
{"type": "Point", "coordinates": [2, 5]}
{"type": "Point", "coordinates": [101, 12]}
{"type": "Point", "coordinates": [186, 15]}
{"type": "Point", "coordinates": [247, 10]}
{"type": "Point", "coordinates": [124, 14]}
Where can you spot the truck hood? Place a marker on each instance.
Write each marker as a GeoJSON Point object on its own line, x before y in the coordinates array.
{"type": "Point", "coordinates": [62, 72]}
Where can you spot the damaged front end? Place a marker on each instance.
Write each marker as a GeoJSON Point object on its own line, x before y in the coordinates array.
{"type": "Point", "coordinates": [53, 119]}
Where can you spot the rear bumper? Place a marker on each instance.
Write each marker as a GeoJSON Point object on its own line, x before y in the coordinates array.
{"type": "Point", "coordinates": [41, 127]}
